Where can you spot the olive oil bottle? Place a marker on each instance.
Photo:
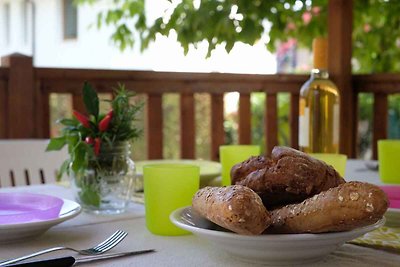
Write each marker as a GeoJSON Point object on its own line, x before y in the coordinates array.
{"type": "Point", "coordinates": [319, 106]}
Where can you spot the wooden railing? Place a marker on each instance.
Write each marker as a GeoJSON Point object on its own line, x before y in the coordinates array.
{"type": "Point", "coordinates": [25, 91]}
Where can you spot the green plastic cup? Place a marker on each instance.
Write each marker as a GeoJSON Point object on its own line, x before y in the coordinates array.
{"type": "Point", "coordinates": [337, 161]}
{"type": "Point", "coordinates": [389, 163]}
{"type": "Point", "coordinates": [233, 154]}
{"type": "Point", "coordinates": [168, 187]}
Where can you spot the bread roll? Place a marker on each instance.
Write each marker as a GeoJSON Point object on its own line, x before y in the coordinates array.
{"type": "Point", "coordinates": [345, 207]}
{"type": "Point", "coordinates": [237, 208]}
{"type": "Point", "coordinates": [290, 176]}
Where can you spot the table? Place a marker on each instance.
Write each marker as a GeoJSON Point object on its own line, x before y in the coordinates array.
{"type": "Point", "coordinates": [86, 230]}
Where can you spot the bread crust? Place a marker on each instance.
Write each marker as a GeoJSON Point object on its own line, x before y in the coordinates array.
{"type": "Point", "coordinates": [237, 208]}
{"type": "Point", "coordinates": [346, 207]}
{"type": "Point", "coordinates": [290, 176]}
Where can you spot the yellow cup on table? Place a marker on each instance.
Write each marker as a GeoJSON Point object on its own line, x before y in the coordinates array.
{"type": "Point", "coordinates": [337, 161]}
{"type": "Point", "coordinates": [168, 187]}
{"type": "Point", "coordinates": [389, 160]}
{"type": "Point", "coordinates": [233, 154]}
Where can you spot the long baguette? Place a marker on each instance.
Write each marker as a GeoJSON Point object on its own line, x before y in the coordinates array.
{"type": "Point", "coordinates": [345, 207]}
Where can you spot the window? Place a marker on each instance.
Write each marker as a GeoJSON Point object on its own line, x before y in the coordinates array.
{"type": "Point", "coordinates": [70, 14]}
{"type": "Point", "coordinates": [5, 23]}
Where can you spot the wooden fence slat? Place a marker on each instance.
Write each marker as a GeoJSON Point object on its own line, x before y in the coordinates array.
{"type": "Point", "coordinates": [271, 122]}
{"type": "Point", "coordinates": [3, 109]}
{"type": "Point", "coordinates": [294, 120]}
{"type": "Point", "coordinates": [244, 119]}
{"type": "Point", "coordinates": [154, 126]}
{"type": "Point", "coordinates": [155, 86]}
{"type": "Point", "coordinates": [40, 107]}
{"type": "Point", "coordinates": [20, 96]}
{"type": "Point", "coordinates": [77, 102]}
{"type": "Point", "coordinates": [357, 119]}
{"type": "Point", "coordinates": [380, 121]}
{"type": "Point", "coordinates": [45, 114]}
{"type": "Point", "coordinates": [187, 124]}
{"type": "Point", "coordinates": [217, 125]}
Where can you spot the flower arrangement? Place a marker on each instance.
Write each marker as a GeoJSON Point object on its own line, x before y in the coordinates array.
{"type": "Point", "coordinates": [91, 137]}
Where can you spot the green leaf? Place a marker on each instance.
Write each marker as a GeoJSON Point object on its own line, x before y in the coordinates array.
{"type": "Point", "coordinates": [68, 122]}
{"type": "Point", "coordinates": [90, 196]}
{"type": "Point", "coordinates": [56, 144]}
{"type": "Point", "coordinates": [91, 100]}
{"type": "Point", "coordinates": [63, 169]}
{"type": "Point", "coordinates": [79, 159]}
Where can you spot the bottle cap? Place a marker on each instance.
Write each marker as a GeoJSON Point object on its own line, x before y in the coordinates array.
{"type": "Point", "coordinates": [320, 51]}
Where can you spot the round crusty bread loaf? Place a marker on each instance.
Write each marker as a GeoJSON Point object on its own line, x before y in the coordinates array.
{"type": "Point", "coordinates": [237, 208]}
{"type": "Point", "coordinates": [290, 176]}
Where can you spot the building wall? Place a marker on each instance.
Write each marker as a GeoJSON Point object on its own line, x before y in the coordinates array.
{"type": "Point", "coordinates": [93, 48]}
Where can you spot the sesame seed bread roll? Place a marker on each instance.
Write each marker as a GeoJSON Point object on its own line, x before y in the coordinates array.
{"type": "Point", "coordinates": [237, 208]}
{"type": "Point", "coordinates": [345, 207]}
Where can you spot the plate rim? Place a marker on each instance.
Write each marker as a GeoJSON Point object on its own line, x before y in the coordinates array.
{"type": "Point", "coordinates": [69, 214]}
{"type": "Point", "coordinates": [272, 237]}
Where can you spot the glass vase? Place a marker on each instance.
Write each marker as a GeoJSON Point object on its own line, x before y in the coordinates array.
{"type": "Point", "coordinates": [106, 185]}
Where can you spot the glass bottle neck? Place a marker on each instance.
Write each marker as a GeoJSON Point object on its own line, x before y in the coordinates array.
{"type": "Point", "coordinates": [319, 74]}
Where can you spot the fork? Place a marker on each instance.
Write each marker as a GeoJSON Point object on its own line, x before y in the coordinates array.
{"type": "Point", "coordinates": [104, 246]}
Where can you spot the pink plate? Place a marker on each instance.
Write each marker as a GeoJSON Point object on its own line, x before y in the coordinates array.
{"type": "Point", "coordinates": [392, 191]}
{"type": "Point", "coordinates": [394, 203]}
{"type": "Point", "coordinates": [27, 207]}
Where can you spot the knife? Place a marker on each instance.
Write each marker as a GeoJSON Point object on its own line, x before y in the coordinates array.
{"type": "Point", "coordinates": [71, 261]}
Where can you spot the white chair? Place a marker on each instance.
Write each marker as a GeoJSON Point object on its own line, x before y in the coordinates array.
{"type": "Point", "coordinates": [26, 162]}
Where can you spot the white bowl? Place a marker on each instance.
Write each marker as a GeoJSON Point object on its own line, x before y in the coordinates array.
{"type": "Point", "coordinates": [19, 232]}
{"type": "Point", "coordinates": [272, 249]}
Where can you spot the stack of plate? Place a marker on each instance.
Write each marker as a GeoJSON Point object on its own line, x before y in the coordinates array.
{"type": "Point", "coordinates": [393, 213]}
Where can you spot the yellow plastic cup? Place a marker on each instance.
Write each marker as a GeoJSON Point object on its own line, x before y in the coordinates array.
{"type": "Point", "coordinates": [389, 163]}
{"type": "Point", "coordinates": [337, 161]}
{"type": "Point", "coordinates": [233, 154]}
{"type": "Point", "coordinates": [168, 187]}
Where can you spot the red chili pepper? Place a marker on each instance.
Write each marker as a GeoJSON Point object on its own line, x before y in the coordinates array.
{"type": "Point", "coordinates": [82, 118]}
{"type": "Point", "coordinates": [97, 144]}
{"type": "Point", "coordinates": [89, 140]}
{"type": "Point", "coordinates": [105, 122]}
{"type": "Point", "coordinates": [110, 113]}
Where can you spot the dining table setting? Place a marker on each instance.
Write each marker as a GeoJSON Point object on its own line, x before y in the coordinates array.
{"type": "Point", "coordinates": [287, 208]}
{"type": "Point", "coordinates": [193, 242]}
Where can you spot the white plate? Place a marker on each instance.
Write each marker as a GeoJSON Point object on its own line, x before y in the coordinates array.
{"type": "Point", "coordinates": [392, 217]}
{"type": "Point", "coordinates": [273, 249]}
{"type": "Point", "coordinates": [22, 231]}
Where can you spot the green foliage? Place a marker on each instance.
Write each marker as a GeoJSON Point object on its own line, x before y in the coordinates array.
{"type": "Point", "coordinates": [84, 142]}
{"type": "Point", "coordinates": [376, 31]}
{"type": "Point", "coordinates": [124, 115]}
{"type": "Point", "coordinates": [91, 100]}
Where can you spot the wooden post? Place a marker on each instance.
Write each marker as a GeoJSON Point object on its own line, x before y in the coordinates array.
{"type": "Point", "coordinates": [380, 121]}
{"type": "Point", "coordinates": [3, 106]}
{"type": "Point", "coordinates": [294, 120]}
{"type": "Point", "coordinates": [217, 124]}
{"type": "Point", "coordinates": [187, 124]}
{"type": "Point", "coordinates": [244, 119]}
{"type": "Point", "coordinates": [155, 126]}
{"type": "Point", "coordinates": [340, 27]}
{"type": "Point", "coordinates": [20, 97]}
{"type": "Point", "coordinates": [271, 122]}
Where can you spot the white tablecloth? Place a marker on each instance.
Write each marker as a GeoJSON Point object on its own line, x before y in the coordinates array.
{"type": "Point", "coordinates": [86, 230]}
